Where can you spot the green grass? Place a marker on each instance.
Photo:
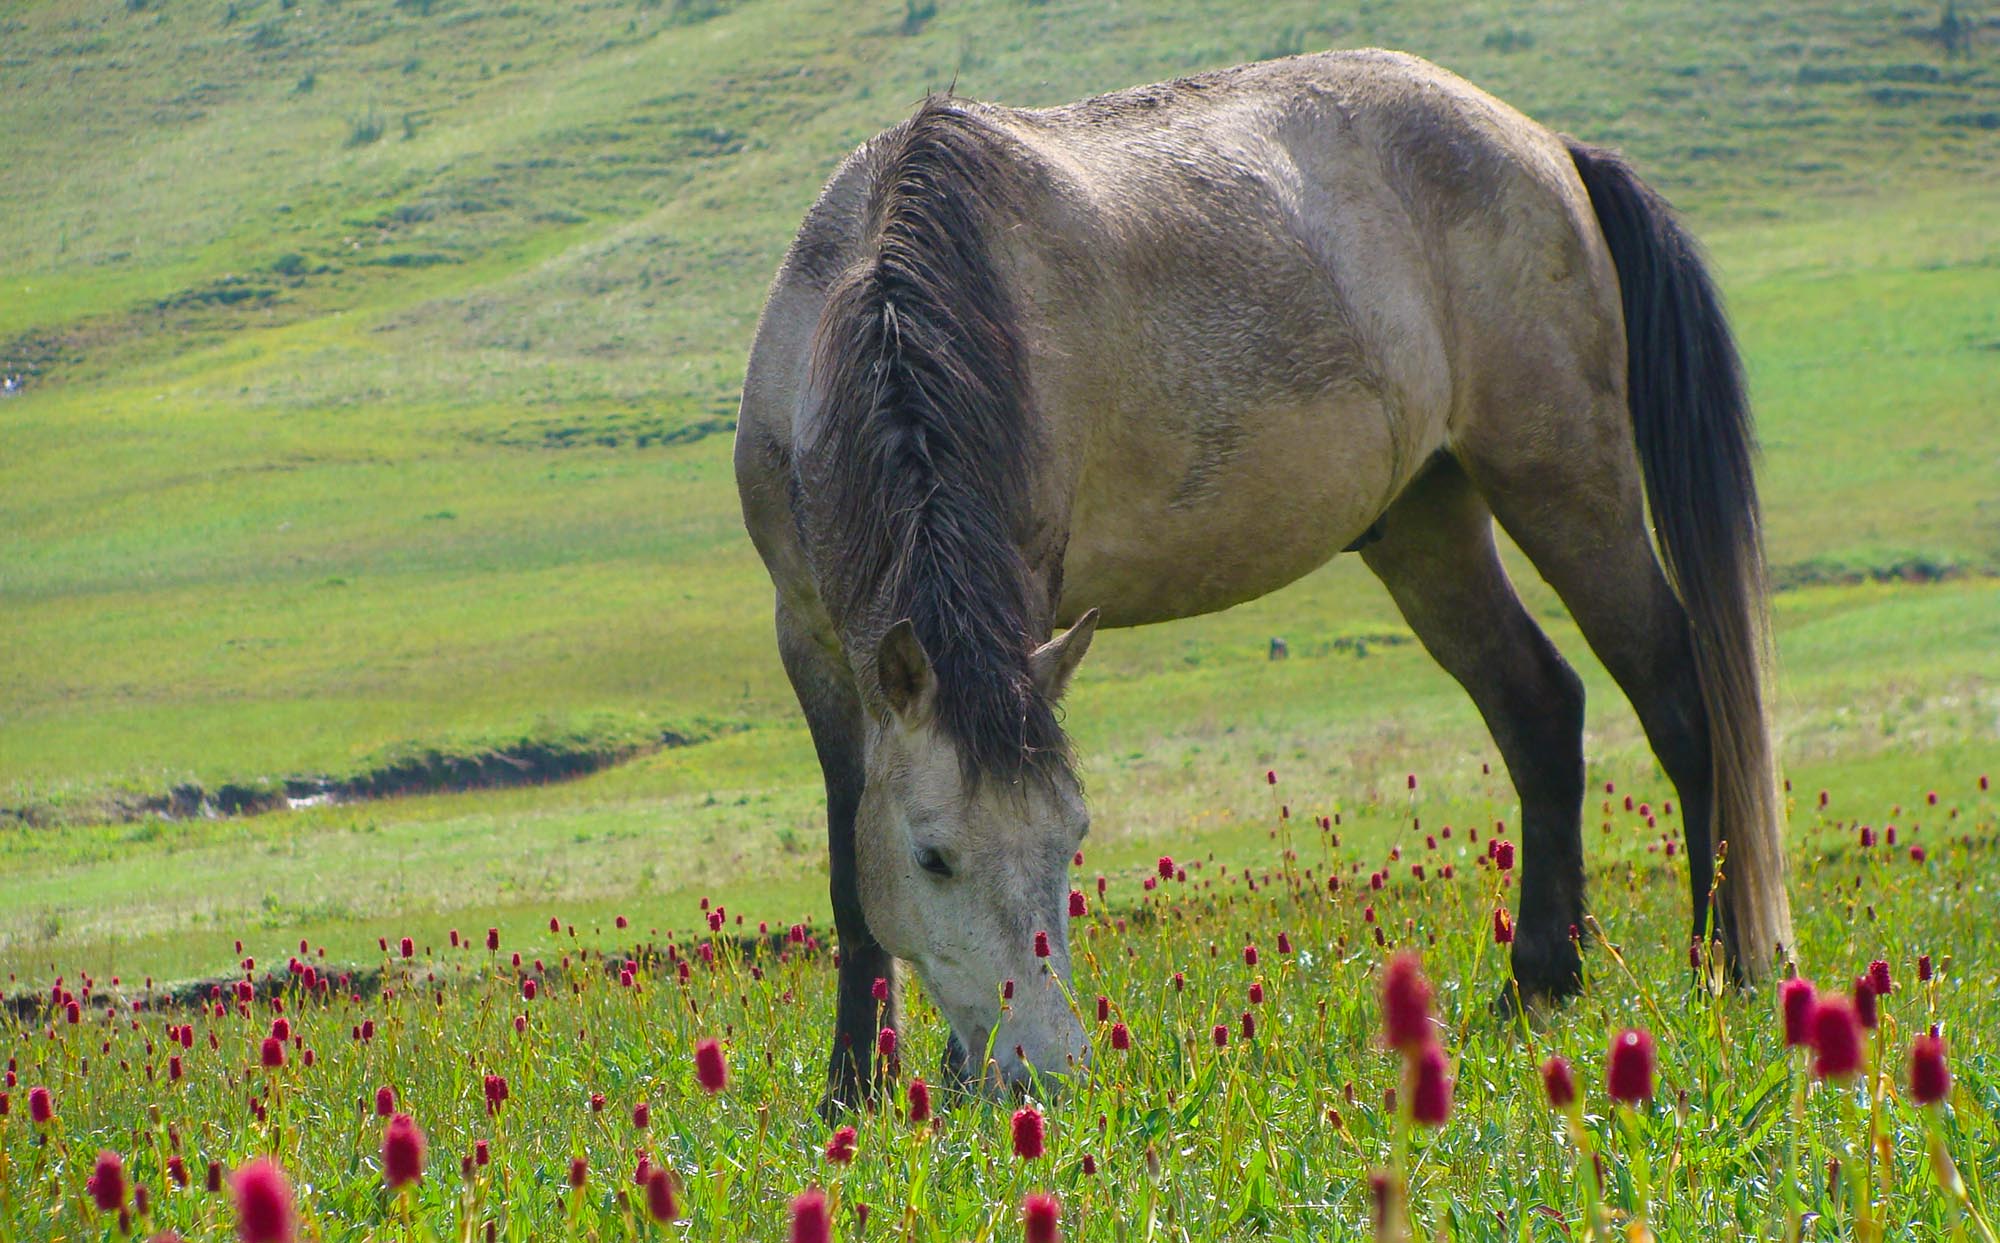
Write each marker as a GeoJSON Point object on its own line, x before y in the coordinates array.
{"type": "Point", "coordinates": [1275, 1135]}
{"type": "Point", "coordinates": [387, 506]}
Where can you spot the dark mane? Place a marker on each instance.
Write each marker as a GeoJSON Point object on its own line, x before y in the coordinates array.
{"type": "Point", "coordinates": [916, 479]}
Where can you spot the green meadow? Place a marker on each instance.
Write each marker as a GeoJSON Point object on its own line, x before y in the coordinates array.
{"type": "Point", "coordinates": [381, 365]}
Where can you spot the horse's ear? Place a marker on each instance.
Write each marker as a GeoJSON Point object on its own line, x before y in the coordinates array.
{"type": "Point", "coordinates": [904, 670]}
{"type": "Point", "coordinates": [1055, 660]}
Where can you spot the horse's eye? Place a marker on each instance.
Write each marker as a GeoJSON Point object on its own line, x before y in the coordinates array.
{"type": "Point", "coordinates": [933, 862]}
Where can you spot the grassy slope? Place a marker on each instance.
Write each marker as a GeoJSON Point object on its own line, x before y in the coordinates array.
{"type": "Point", "coordinates": [417, 483]}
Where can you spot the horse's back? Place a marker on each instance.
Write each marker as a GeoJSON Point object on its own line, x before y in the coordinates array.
{"type": "Point", "coordinates": [1292, 277]}
{"type": "Point", "coordinates": [1259, 301]}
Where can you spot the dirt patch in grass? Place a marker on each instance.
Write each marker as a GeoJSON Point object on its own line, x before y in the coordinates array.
{"type": "Point", "coordinates": [538, 757]}
{"type": "Point", "coordinates": [1828, 571]}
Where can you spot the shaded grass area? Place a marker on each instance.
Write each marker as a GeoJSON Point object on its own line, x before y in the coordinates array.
{"type": "Point", "coordinates": [549, 751]}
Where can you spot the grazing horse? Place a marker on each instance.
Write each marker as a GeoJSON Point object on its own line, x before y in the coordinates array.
{"type": "Point", "coordinates": [1159, 352]}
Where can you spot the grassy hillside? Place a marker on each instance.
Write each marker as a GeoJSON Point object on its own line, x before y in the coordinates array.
{"type": "Point", "coordinates": [381, 360]}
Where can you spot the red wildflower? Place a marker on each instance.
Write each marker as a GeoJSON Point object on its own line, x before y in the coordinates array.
{"type": "Point", "coordinates": [1430, 1087]}
{"type": "Point", "coordinates": [273, 1054]}
{"type": "Point", "coordinates": [1796, 1000]}
{"type": "Point", "coordinates": [496, 1093]}
{"type": "Point", "coordinates": [107, 1182]}
{"type": "Point", "coordinates": [880, 989]}
{"type": "Point", "coordinates": [1041, 1218]}
{"type": "Point", "coordinates": [492, 938]}
{"type": "Point", "coordinates": [885, 1043]}
{"type": "Point", "coordinates": [1930, 1078]}
{"type": "Point", "coordinates": [1166, 867]}
{"type": "Point", "coordinates": [528, 988]}
{"type": "Point", "coordinates": [1028, 1133]}
{"type": "Point", "coordinates": [1503, 928]}
{"type": "Point", "coordinates": [1041, 945]}
{"type": "Point", "coordinates": [642, 1115]}
{"type": "Point", "coordinates": [1836, 1032]}
{"type": "Point", "coordinates": [177, 1170]}
{"type": "Point", "coordinates": [810, 1220]}
{"type": "Point", "coordinates": [1379, 1188]}
{"type": "Point", "coordinates": [711, 1071]}
{"type": "Point", "coordinates": [1864, 1002]}
{"type": "Point", "coordinates": [1558, 1083]}
{"type": "Point", "coordinates": [1406, 1003]}
{"type": "Point", "coordinates": [281, 1028]}
{"type": "Point", "coordinates": [920, 1100]}
{"type": "Point", "coordinates": [1220, 1035]}
{"type": "Point", "coordinates": [1878, 978]}
{"type": "Point", "coordinates": [263, 1203]}
{"type": "Point", "coordinates": [41, 1106]}
{"type": "Point", "coordinates": [409, 948]}
{"type": "Point", "coordinates": [1121, 1037]}
{"type": "Point", "coordinates": [1076, 904]}
{"type": "Point", "coordinates": [840, 1149]}
{"type": "Point", "coordinates": [385, 1101]}
{"type": "Point", "coordinates": [1629, 1073]}
{"type": "Point", "coordinates": [402, 1152]}
{"type": "Point", "coordinates": [579, 1172]}
{"type": "Point", "coordinates": [660, 1195]}
{"type": "Point", "coordinates": [1924, 968]}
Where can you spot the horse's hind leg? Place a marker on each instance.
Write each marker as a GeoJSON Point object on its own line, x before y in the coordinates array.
{"type": "Point", "coordinates": [1569, 493]}
{"type": "Point", "coordinates": [1438, 560]}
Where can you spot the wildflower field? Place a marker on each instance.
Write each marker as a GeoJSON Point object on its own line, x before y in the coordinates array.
{"type": "Point", "coordinates": [1270, 1060]}
{"type": "Point", "coordinates": [375, 363]}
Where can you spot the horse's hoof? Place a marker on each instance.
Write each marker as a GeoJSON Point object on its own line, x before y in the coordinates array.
{"type": "Point", "coordinates": [1513, 1001]}
{"type": "Point", "coordinates": [845, 1094]}
{"type": "Point", "coordinates": [1547, 969]}
{"type": "Point", "coordinates": [955, 1068]}
{"type": "Point", "coordinates": [833, 1110]}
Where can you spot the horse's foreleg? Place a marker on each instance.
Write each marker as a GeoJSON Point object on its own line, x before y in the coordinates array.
{"type": "Point", "coordinates": [833, 713]}
{"type": "Point", "coordinates": [1438, 560]}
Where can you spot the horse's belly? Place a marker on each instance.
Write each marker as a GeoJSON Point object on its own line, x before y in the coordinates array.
{"type": "Point", "coordinates": [1166, 534]}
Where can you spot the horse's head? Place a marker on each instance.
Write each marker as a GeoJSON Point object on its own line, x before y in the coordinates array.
{"type": "Point", "coordinates": [966, 875]}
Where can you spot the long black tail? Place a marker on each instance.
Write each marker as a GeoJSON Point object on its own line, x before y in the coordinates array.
{"type": "Point", "coordinates": [1691, 417]}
